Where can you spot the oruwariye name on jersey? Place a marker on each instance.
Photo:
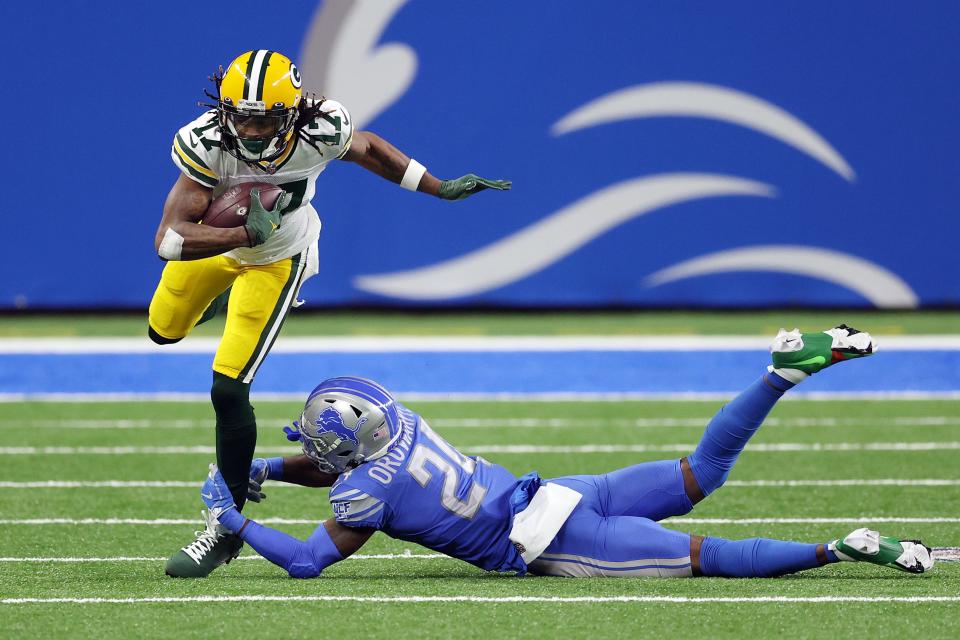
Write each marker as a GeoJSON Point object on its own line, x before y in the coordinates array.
{"type": "Point", "coordinates": [197, 152]}
{"type": "Point", "coordinates": [425, 491]}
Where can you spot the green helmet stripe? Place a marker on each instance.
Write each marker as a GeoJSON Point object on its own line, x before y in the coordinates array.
{"type": "Point", "coordinates": [263, 75]}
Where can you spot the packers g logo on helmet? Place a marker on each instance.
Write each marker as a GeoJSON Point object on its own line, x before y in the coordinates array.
{"type": "Point", "coordinates": [295, 75]}
{"type": "Point", "coordinates": [259, 96]}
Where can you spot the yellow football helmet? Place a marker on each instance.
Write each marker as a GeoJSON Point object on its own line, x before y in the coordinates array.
{"type": "Point", "coordinates": [258, 99]}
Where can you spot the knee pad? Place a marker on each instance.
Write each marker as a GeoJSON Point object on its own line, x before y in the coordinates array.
{"type": "Point", "coordinates": [231, 401]}
{"type": "Point", "coordinates": [159, 339]}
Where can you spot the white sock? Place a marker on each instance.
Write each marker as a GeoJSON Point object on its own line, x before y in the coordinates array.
{"type": "Point", "coordinates": [840, 555]}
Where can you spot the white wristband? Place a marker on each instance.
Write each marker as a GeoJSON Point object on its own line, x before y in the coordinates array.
{"type": "Point", "coordinates": [412, 176]}
{"type": "Point", "coordinates": [171, 246]}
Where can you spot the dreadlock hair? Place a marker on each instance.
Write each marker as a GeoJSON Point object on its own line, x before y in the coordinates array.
{"type": "Point", "coordinates": [306, 115]}
{"type": "Point", "coordinates": [216, 78]}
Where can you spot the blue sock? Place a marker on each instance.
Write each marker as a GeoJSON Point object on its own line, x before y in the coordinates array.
{"type": "Point", "coordinates": [729, 430]}
{"type": "Point", "coordinates": [755, 558]}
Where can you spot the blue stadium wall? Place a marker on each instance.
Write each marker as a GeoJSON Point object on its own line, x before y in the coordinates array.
{"type": "Point", "coordinates": [663, 153]}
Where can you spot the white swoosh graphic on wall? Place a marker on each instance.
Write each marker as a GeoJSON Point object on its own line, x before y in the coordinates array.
{"type": "Point", "coordinates": [880, 286]}
{"type": "Point", "coordinates": [340, 57]}
{"type": "Point", "coordinates": [544, 242]}
{"type": "Point", "coordinates": [698, 100]}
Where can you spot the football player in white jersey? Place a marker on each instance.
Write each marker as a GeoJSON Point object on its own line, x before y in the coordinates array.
{"type": "Point", "coordinates": [260, 129]}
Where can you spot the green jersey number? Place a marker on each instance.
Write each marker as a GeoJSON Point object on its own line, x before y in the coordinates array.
{"type": "Point", "coordinates": [198, 131]}
{"type": "Point", "coordinates": [297, 189]}
{"type": "Point", "coordinates": [331, 139]}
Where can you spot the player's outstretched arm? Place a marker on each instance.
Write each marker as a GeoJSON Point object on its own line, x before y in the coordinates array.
{"type": "Point", "coordinates": [375, 154]}
{"type": "Point", "coordinates": [329, 543]}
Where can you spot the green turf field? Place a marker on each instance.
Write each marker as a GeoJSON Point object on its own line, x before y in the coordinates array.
{"type": "Point", "coordinates": [312, 322]}
{"type": "Point", "coordinates": [131, 564]}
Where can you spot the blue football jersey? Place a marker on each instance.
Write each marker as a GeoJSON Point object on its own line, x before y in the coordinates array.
{"type": "Point", "coordinates": [425, 491]}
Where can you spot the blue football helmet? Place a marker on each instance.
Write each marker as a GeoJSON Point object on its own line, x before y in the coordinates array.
{"type": "Point", "coordinates": [347, 421]}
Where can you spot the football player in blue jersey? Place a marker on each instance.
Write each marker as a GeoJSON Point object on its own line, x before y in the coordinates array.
{"type": "Point", "coordinates": [391, 472]}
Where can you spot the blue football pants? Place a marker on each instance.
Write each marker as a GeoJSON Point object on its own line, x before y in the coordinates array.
{"type": "Point", "coordinates": [613, 531]}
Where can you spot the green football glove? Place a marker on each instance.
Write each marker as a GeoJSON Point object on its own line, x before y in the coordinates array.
{"type": "Point", "coordinates": [262, 223]}
{"type": "Point", "coordinates": [468, 185]}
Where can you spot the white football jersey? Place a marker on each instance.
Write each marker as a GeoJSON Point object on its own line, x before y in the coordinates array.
{"type": "Point", "coordinates": [197, 152]}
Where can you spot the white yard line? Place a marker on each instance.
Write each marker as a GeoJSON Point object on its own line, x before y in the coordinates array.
{"type": "Point", "coordinates": [358, 556]}
{"type": "Point", "coordinates": [847, 520]}
{"type": "Point", "coordinates": [112, 424]}
{"type": "Point", "coordinates": [313, 521]}
{"type": "Point", "coordinates": [754, 448]}
{"type": "Point", "coordinates": [641, 423]}
{"type": "Point", "coordinates": [70, 424]}
{"type": "Point", "coordinates": [118, 484]}
{"type": "Point", "coordinates": [156, 522]}
{"type": "Point", "coordinates": [945, 554]}
{"type": "Point", "coordinates": [507, 448]}
{"type": "Point", "coordinates": [485, 396]}
{"type": "Point", "coordinates": [858, 482]}
{"type": "Point", "coordinates": [257, 598]}
{"type": "Point", "coordinates": [195, 484]}
{"type": "Point", "coordinates": [425, 344]}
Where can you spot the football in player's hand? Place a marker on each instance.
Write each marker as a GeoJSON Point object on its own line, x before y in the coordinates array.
{"type": "Point", "coordinates": [230, 208]}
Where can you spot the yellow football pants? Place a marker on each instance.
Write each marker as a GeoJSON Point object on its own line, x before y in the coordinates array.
{"type": "Point", "coordinates": [258, 304]}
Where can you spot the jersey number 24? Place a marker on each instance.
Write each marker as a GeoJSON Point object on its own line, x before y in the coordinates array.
{"type": "Point", "coordinates": [450, 463]}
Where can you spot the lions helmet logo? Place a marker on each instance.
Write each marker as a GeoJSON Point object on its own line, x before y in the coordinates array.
{"type": "Point", "coordinates": [330, 421]}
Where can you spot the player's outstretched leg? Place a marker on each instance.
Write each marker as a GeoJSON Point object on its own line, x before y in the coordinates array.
{"type": "Point", "coordinates": [764, 558]}
{"type": "Point", "coordinates": [795, 357]}
{"type": "Point", "coordinates": [236, 429]}
{"type": "Point", "coordinates": [728, 432]}
{"type": "Point", "coordinates": [592, 545]}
